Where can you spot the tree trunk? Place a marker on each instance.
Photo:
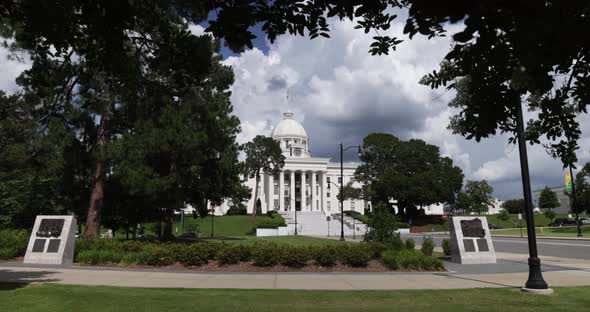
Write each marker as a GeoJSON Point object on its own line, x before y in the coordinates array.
{"type": "Point", "coordinates": [97, 194]}
{"type": "Point", "coordinates": [168, 225]}
{"type": "Point", "coordinates": [256, 194]}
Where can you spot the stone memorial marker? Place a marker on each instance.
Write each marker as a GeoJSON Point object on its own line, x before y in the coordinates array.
{"type": "Point", "coordinates": [52, 240]}
{"type": "Point", "coordinates": [471, 241]}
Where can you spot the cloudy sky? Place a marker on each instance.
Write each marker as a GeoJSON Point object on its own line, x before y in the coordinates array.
{"type": "Point", "coordinates": [340, 93]}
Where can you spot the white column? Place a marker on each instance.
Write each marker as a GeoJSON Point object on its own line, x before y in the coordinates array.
{"type": "Point", "coordinates": [303, 205]}
{"type": "Point", "coordinates": [271, 193]}
{"type": "Point", "coordinates": [282, 191]}
{"type": "Point", "coordinates": [313, 196]}
{"type": "Point", "coordinates": [324, 191]}
{"type": "Point", "coordinates": [292, 192]}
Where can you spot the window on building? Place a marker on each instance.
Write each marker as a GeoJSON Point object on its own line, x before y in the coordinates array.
{"type": "Point", "coordinates": [339, 180]}
{"type": "Point", "coordinates": [328, 182]}
{"type": "Point", "coordinates": [352, 205]}
{"type": "Point", "coordinates": [276, 204]}
{"type": "Point", "coordinates": [276, 189]}
{"type": "Point", "coordinates": [317, 189]}
{"type": "Point", "coordinates": [297, 151]}
{"type": "Point", "coordinates": [328, 194]}
{"type": "Point", "coordinates": [329, 206]}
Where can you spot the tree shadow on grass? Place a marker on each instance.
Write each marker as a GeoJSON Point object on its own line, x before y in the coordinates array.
{"type": "Point", "coordinates": [10, 279]}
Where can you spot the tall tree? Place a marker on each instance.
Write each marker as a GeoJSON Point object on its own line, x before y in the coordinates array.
{"type": "Point", "coordinates": [476, 197]}
{"type": "Point", "coordinates": [514, 205]}
{"type": "Point", "coordinates": [410, 172]}
{"type": "Point", "coordinates": [548, 199]}
{"type": "Point", "coordinates": [263, 154]}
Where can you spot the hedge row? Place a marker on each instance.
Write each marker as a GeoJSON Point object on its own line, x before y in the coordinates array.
{"type": "Point", "coordinates": [13, 243]}
{"type": "Point", "coordinates": [196, 254]}
{"type": "Point", "coordinates": [264, 254]}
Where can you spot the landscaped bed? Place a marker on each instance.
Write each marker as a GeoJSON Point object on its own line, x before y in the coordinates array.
{"type": "Point", "coordinates": [262, 256]}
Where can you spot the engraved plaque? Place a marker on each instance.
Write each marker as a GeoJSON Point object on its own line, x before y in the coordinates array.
{"type": "Point", "coordinates": [469, 245]}
{"type": "Point", "coordinates": [482, 244]}
{"type": "Point", "coordinates": [50, 228]}
{"type": "Point", "coordinates": [53, 245]}
{"type": "Point", "coordinates": [39, 245]}
{"type": "Point", "coordinates": [472, 228]}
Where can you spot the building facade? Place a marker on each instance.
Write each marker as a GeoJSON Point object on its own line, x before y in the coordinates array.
{"type": "Point", "coordinates": [305, 183]}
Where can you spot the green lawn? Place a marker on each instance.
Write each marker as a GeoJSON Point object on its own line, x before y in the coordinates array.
{"type": "Point", "coordinates": [223, 226]}
{"type": "Point", "coordinates": [107, 299]}
{"type": "Point", "coordinates": [564, 231]}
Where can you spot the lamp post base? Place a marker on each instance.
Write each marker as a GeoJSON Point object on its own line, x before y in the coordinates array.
{"type": "Point", "coordinates": [535, 280]}
{"type": "Point", "coordinates": [547, 291]}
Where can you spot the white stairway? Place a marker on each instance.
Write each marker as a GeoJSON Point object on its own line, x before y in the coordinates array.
{"type": "Point", "coordinates": [314, 223]}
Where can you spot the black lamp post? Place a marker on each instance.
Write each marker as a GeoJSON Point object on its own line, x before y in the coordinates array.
{"type": "Point", "coordinates": [535, 279]}
{"type": "Point", "coordinates": [342, 149]}
{"type": "Point", "coordinates": [574, 203]}
{"type": "Point", "coordinates": [212, 216]}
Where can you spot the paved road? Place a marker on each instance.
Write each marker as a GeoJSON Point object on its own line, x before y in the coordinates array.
{"type": "Point", "coordinates": [577, 249]}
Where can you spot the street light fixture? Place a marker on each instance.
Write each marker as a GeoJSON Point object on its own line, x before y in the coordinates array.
{"type": "Point", "coordinates": [342, 149]}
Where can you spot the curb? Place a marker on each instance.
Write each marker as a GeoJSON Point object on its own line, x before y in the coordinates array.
{"type": "Point", "coordinates": [546, 237]}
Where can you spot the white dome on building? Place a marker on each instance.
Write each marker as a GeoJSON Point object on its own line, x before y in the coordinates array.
{"type": "Point", "coordinates": [292, 137]}
{"type": "Point", "coordinates": [288, 127]}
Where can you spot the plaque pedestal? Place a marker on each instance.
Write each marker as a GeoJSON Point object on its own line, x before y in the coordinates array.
{"type": "Point", "coordinates": [471, 241]}
{"type": "Point", "coordinates": [52, 240]}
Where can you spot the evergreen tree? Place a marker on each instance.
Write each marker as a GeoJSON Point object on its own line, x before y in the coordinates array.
{"type": "Point", "coordinates": [548, 199]}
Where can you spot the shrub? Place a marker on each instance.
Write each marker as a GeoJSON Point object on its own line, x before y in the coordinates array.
{"type": "Point", "coordinates": [193, 254]}
{"type": "Point", "coordinates": [136, 257]}
{"type": "Point", "coordinates": [229, 255]}
{"type": "Point", "coordinates": [446, 246]}
{"type": "Point", "coordinates": [410, 244]}
{"type": "Point", "coordinates": [396, 242]}
{"type": "Point", "coordinates": [266, 253]}
{"type": "Point", "coordinates": [326, 256]}
{"type": "Point", "coordinates": [235, 211]}
{"type": "Point", "coordinates": [504, 215]}
{"type": "Point", "coordinates": [13, 243]}
{"type": "Point", "coordinates": [295, 257]}
{"type": "Point", "coordinates": [378, 249]}
{"type": "Point", "coordinates": [391, 260]}
{"type": "Point", "coordinates": [161, 256]}
{"type": "Point", "coordinates": [94, 257]}
{"type": "Point", "coordinates": [427, 246]}
{"type": "Point", "coordinates": [382, 226]}
{"type": "Point", "coordinates": [410, 259]}
{"type": "Point", "coordinates": [403, 226]}
{"type": "Point", "coordinates": [132, 246]}
{"type": "Point", "coordinates": [245, 252]}
{"type": "Point", "coordinates": [358, 255]}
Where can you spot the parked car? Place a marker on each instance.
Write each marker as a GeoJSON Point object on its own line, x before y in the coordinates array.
{"type": "Point", "coordinates": [562, 222]}
{"type": "Point", "coordinates": [492, 226]}
{"type": "Point", "coordinates": [585, 221]}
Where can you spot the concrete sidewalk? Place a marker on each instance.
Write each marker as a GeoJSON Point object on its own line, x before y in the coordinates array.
{"type": "Point", "coordinates": [507, 273]}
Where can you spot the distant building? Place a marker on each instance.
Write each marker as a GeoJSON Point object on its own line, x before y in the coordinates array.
{"type": "Point", "coordinates": [562, 197]}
